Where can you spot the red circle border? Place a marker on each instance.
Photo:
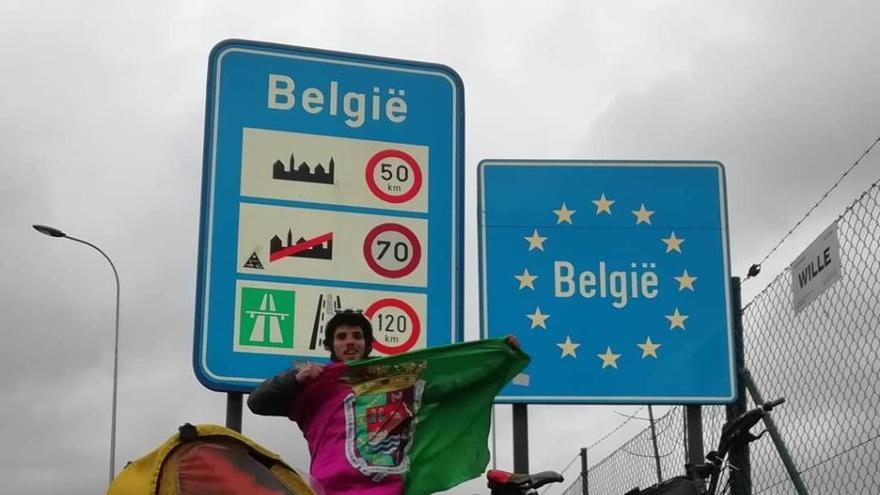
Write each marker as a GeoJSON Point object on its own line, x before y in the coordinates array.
{"type": "Point", "coordinates": [410, 236]}
{"type": "Point", "coordinates": [392, 153]}
{"type": "Point", "coordinates": [406, 308]}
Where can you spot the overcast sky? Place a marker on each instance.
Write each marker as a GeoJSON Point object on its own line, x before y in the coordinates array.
{"type": "Point", "coordinates": [101, 125]}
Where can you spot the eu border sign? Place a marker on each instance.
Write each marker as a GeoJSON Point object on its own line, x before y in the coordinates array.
{"type": "Point", "coordinates": [615, 277]}
{"type": "Point", "coordinates": [330, 181]}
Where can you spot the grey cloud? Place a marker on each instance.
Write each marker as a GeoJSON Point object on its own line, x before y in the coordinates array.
{"type": "Point", "coordinates": [101, 136]}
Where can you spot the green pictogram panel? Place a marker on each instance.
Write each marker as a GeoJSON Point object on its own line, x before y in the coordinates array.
{"type": "Point", "coordinates": [266, 318]}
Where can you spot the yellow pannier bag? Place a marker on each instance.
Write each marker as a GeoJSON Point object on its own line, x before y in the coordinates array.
{"type": "Point", "coordinates": [207, 460]}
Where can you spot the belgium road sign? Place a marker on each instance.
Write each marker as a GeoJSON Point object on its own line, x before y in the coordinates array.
{"type": "Point", "coordinates": [614, 276]}
{"type": "Point", "coordinates": [330, 181]}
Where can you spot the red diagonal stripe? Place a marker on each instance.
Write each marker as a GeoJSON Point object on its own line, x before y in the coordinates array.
{"type": "Point", "coordinates": [296, 248]}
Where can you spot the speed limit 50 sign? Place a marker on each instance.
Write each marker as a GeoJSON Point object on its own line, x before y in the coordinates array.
{"type": "Point", "coordinates": [331, 181]}
{"type": "Point", "coordinates": [394, 176]}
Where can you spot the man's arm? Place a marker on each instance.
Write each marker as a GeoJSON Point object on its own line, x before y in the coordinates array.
{"type": "Point", "coordinates": [275, 396]}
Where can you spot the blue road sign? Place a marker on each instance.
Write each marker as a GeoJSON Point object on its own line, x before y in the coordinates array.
{"type": "Point", "coordinates": [330, 181]}
{"type": "Point", "coordinates": [614, 276]}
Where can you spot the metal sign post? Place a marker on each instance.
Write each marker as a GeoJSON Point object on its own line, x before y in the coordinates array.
{"type": "Point", "coordinates": [520, 438]}
{"type": "Point", "coordinates": [613, 275]}
{"type": "Point", "coordinates": [694, 420]}
{"type": "Point", "coordinates": [331, 180]}
{"type": "Point", "coordinates": [741, 477]}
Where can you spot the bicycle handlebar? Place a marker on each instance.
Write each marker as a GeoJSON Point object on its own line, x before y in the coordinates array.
{"type": "Point", "coordinates": [735, 431]}
{"type": "Point", "coordinates": [738, 428]}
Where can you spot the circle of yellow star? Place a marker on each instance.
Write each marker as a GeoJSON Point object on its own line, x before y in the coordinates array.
{"type": "Point", "coordinates": [643, 215]}
{"type": "Point", "coordinates": [526, 280]}
{"type": "Point", "coordinates": [538, 319]}
{"type": "Point", "coordinates": [603, 205]}
{"type": "Point", "coordinates": [649, 348]}
{"type": "Point", "coordinates": [685, 281]}
{"type": "Point", "coordinates": [609, 359]}
{"type": "Point", "coordinates": [568, 347]}
{"type": "Point", "coordinates": [676, 320]}
{"type": "Point", "coordinates": [564, 214]}
{"type": "Point", "coordinates": [672, 243]}
{"type": "Point", "coordinates": [535, 241]}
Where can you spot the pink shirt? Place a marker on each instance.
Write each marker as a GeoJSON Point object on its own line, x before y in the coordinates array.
{"type": "Point", "coordinates": [320, 414]}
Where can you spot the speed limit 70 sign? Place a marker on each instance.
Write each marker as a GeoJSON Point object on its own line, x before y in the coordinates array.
{"type": "Point", "coordinates": [392, 250]}
{"type": "Point", "coordinates": [331, 180]}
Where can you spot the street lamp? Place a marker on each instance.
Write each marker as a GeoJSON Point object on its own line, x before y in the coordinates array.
{"type": "Point", "coordinates": [53, 232]}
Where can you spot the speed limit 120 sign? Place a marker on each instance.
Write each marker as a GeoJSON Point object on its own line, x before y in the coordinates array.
{"type": "Point", "coordinates": [397, 326]}
{"type": "Point", "coordinates": [331, 180]}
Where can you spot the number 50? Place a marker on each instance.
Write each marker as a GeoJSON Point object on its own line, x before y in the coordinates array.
{"type": "Point", "coordinates": [389, 171]}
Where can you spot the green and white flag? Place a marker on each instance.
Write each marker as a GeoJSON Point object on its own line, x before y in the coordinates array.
{"type": "Point", "coordinates": [426, 414]}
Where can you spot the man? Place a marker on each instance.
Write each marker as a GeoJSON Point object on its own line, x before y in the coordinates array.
{"type": "Point", "coordinates": [321, 401]}
{"type": "Point", "coordinates": [317, 405]}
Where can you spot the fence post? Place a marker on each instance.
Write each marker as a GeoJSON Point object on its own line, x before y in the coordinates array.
{"type": "Point", "coordinates": [741, 477]}
{"type": "Point", "coordinates": [787, 461]}
{"type": "Point", "coordinates": [585, 476]}
{"type": "Point", "coordinates": [654, 441]}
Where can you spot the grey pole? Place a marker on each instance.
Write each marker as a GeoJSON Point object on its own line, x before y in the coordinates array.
{"type": "Point", "coordinates": [784, 454]}
{"type": "Point", "coordinates": [654, 442]}
{"type": "Point", "coordinates": [53, 232]}
{"type": "Point", "coordinates": [684, 435]}
{"type": "Point", "coordinates": [585, 473]}
{"type": "Point", "coordinates": [494, 464]}
{"type": "Point", "coordinates": [694, 416]}
{"type": "Point", "coordinates": [233, 410]}
{"type": "Point", "coordinates": [521, 438]}
{"type": "Point", "coordinates": [741, 477]}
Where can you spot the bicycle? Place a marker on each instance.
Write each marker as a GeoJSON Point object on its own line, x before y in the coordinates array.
{"type": "Point", "coordinates": [736, 432]}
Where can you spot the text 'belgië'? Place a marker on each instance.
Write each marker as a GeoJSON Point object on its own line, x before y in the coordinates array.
{"type": "Point", "coordinates": [356, 107]}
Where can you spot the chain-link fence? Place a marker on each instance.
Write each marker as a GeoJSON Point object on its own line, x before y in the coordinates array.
{"type": "Point", "coordinates": [825, 361]}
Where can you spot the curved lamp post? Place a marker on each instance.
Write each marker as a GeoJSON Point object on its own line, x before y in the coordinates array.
{"type": "Point", "coordinates": [53, 232]}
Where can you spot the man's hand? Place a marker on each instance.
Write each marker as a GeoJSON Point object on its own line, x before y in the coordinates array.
{"type": "Point", "coordinates": [309, 372]}
{"type": "Point", "coordinates": [512, 340]}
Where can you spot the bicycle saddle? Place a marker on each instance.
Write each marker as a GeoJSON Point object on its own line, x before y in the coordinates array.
{"type": "Point", "coordinates": [499, 478]}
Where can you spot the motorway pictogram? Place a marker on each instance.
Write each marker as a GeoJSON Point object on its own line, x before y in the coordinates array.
{"type": "Point", "coordinates": [267, 317]}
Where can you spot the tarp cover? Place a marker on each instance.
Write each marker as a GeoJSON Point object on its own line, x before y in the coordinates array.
{"type": "Point", "coordinates": [208, 460]}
